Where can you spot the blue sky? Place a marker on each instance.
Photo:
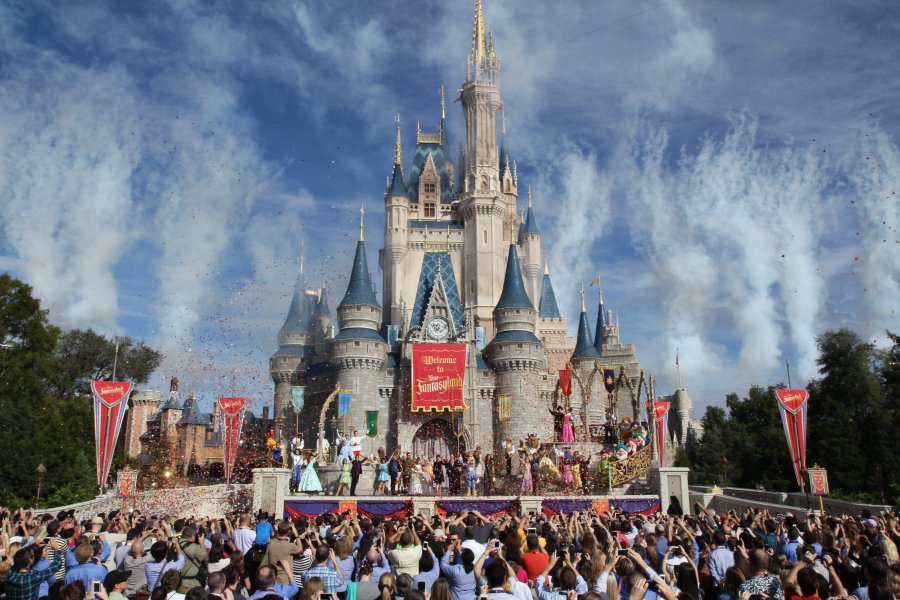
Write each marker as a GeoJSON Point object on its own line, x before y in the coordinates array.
{"type": "Point", "coordinates": [728, 168]}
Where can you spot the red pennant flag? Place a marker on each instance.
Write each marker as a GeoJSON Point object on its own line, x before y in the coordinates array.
{"type": "Point", "coordinates": [792, 405]}
{"type": "Point", "coordinates": [565, 382]}
{"type": "Point", "coordinates": [110, 404]}
{"type": "Point", "coordinates": [660, 419]}
{"type": "Point", "coordinates": [232, 420]}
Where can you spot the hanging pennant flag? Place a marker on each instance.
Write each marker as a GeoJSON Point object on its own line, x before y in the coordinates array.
{"type": "Point", "coordinates": [110, 404]}
{"type": "Point", "coordinates": [503, 407]}
{"type": "Point", "coordinates": [232, 420]}
{"type": "Point", "coordinates": [818, 481]}
{"type": "Point", "coordinates": [297, 398]}
{"type": "Point", "coordinates": [344, 404]}
{"type": "Point", "coordinates": [661, 423]}
{"type": "Point", "coordinates": [371, 423]}
{"type": "Point", "coordinates": [792, 405]}
{"type": "Point", "coordinates": [565, 382]}
{"type": "Point", "coordinates": [609, 380]}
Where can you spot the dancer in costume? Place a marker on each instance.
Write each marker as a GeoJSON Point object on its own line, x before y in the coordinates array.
{"type": "Point", "coordinates": [297, 469]}
{"type": "Point", "coordinates": [471, 474]}
{"type": "Point", "coordinates": [355, 442]}
{"type": "Point", "coordinates": [346, 449]}
{"type": "Point", "coordinates": [344, 481]}
{"type": "Point", "coordinates": [568, 432]}
{"type": "Point", "coordinates": [309, 480]}
{"type": "Point", "coordinates": [415, 480]}
{"type": "Point", "coordinates": [527, 486]}
{"type": "Point", "coordinates": [568, 476]}
{"type": "Point", "coordinates": [558, 416]}
{"type": "Point", "coordinates": [382, 477]}
{"type": "Point", "coordinates": [440, 474]}
{"type": "Point", "coordinates": [488, 476]}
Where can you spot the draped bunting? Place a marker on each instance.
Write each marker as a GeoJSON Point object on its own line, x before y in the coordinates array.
{"type": "Point", "coordinates": [792, 405]}
{"type": "Point", "coordinates": [565, 382]}
{"type": "Point", "coordinates": [383, 508]}
{"type": "Point", "coordinates": [486, 507]}
{"type": "Point", "coordinates": [294, 509]}
{"type": "Point", "coordinates": [641, 506]}
{"type": "Point", "coordinates": [110, 404]}
{"type": "Point", "coordinates": [552, 507]}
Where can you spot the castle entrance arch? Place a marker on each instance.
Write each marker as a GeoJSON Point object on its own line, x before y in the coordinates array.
{"type": "Point", "coordinates": [436, 437]}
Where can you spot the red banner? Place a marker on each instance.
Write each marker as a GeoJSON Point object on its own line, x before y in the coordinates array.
{"type": "Point", "coordinates": [818, 481]}
{"type": "Point", "coordinates": [792, 405]}
{"type": "Point", "coordinates": [232, 420]}
{"type": "Point", "coordinates": [660, 418]}
{"type": "Point", "coordinates": [565, 382]}
{"type": "Point", "coordinates": [127, 483]}
{"type": "Point", "coordinates": [110, 404]}
{"type": "Point", "coordinates": [438, 373]}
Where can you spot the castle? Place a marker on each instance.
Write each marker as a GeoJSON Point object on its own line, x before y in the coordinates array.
{"type": "Point", "coordinates": [464, 274]}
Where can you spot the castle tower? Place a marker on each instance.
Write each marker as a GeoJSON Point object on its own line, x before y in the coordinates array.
{"type": "Point", "coordinates": [296, 342]}
{"type": "Point", "coordinates": [144, 404]}
{"type": "Point", "coordinates": [489, 216]}
{"type": "Point", "coordinates": [396, 238]}
{"type": "Point", "coordinates": [191, 432]}
{"type": "Point", "coordinates": [358, 350]}
{"type": "Point", "coordinates": [530, 241]}
{"type": "Point", "coordinates": [600, 331]}
{"type": "Point", "coordinates": [553, 328]}
{"type": "Point", "coordinates": [170, 415]}
{"type": "Point", "coordinates": [517, 355]}
{"type": "Point", "coordinates": [583, 359]}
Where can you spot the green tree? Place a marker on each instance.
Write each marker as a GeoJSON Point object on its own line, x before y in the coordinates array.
{"type": "Point", "coordinates": [707, 455]}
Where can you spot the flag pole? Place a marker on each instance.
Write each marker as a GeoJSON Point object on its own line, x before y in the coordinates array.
{"type": "Point", "coordinates": [115, 361]}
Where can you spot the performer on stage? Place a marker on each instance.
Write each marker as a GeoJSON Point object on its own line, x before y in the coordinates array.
{"type": "Point", "coordinates": [558, 416]}
{"type": "Point", "coordinates": [346, 449]}
{"type": "Point", "coordinates": [381, 476]}
{"type": "Point", "coordinates": [355, 471]}
{"type": "Point", "coordinates": [415, 479]}
{"type": "Point", "coordinates": [440, 474]}
{"type": "Point", "coordinates": [527, 486]}
{"type": "Point", "coordinates": [355, 441]}
{"type": "Point", "coordinates": [508, 451]}
{"type": "Point", "coordinates": [345, 478]}
{"type": "Point", "coordinates": [297, 469]}
{"type": "Point", "coordinates": [309, 480]}
{"type": "Point", "coordinates": [488, 475]}
{"type": "Point", "coordinates": [471, 474]}
{"type": "Point", "coordinates": [568, 432]}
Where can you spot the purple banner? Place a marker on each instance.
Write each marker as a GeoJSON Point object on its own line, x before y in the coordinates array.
{"type": "Point", "coordinates": [644, 506]}
{"type": "Point", "coordinates": [485, 507]}
{"type": "Point", "coordinates": [294, 509]}
{"type": "Point", "coordinates": [382, 508]}
{"type": "Point", "coordinates": [566, 506]}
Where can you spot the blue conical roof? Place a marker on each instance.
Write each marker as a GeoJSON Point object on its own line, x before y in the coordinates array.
{"type": "Point", "coordinates": [298, 317]}
{"type": "Point", "coordinates": [360, 290]}
{"type": "Point", "coordinates": [514, 294]}
{"type": "Point", "coordinates": [398, 186]}
{"type": "Point", "coordinates": [584, 348]}
{"type": "Point", "coordinates": [598, 333]}
{"type": "Point", "coordinates": [548, 307]}
{"type": "Point", "coordinates": [191, 416]}
{"type": "Point", "coordinates": [322, 304]}
{"type": "Point", "coordinates": [530, 225]}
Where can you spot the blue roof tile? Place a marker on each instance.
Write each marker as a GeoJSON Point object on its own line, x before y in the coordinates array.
{"type": "Point", "coordinates": [481, 364]}
{"type": "Point", "coordinates": [191, 416]}
{"type": "Point", "coordinates": [548, 307]}
{"type": "Point", "coordinates": [441, 161]}
{"type": "Point", "coordinates": [299, 317]}
{"type": "Point", "coordinates": [427, 276]}
{"type": "Point", "coordinates": [514, 294]}
{"type": "Point", "coordinates": [398, 186]}
{"type": "Point", "coordinates": [530, 226]}
{"type": "Point", "coordinates": [359, 290]}
{"type": "Point", "coordinates": [584, 348]}
{"type": "Point", "coordinates": [598, 333]}
{"type": "Point", "coordinates": [322, 304]}
{"type": "Point", "coordinates": [515, 335]}
{"type": "Point", "coordinates": [359, 333]}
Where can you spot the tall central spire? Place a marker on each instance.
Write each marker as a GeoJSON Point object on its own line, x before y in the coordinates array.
{"type": "Point", "coordinates": [479, 46]}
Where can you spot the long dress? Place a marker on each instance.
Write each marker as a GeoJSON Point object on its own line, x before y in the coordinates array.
{"type": "Point", "coordinates": [309, 480]}
{"type": "Point", "coordinates": [576, 476]}
{"type": "Point", "coordinates": [415, 481]}
{"type": "Point", "coordinates": [527, 486]}
{"type": "Point", "coordinates": [345, 474]}
{"type": "Point", "coordinates": [568, 434]}
{"type": "Point", "coordinates": [568, 478]}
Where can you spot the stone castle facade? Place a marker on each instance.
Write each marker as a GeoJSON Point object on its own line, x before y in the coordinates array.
{"type": "Point", "coordinates": [462, 264]}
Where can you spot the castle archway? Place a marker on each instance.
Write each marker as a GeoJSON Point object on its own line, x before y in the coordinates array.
{"type": "Point", "coordinates": [436, 437]}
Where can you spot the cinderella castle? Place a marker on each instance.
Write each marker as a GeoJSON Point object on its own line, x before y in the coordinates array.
{"type": "Point", "coordinates": [464, 348]}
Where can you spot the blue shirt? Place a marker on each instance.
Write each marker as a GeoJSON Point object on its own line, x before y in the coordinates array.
{"type": "Point", "coordinates": [720, 560]}
{"type": "Point", "coordinates": [285, 590]}
{"type": "Point", "coordinates": [429, 577]}
{"type": "Point", "coordinates": [154, 570]}
{"type": "Point", "coordinates": [45, 584]}
{"type": "Point", "coordinates": [462, 584]}
{"type": "Point", "coordinates": [86, 572]}
{"type": "Point", "coordinates": [70, 555]}
{"type": "Point", "coordinates": [263, 533]}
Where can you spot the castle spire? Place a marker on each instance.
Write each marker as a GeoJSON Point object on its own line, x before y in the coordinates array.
{"type": "Point", "coordinates": [443, 105]}
{"type": "Point", "coordinates": [398, 148]}
{"type": "Point", "coordinates": [302, 252]}
{"type": "Point", "coordinates": [584, 347]}
{"type": "Point", "coordinates": [548, 308]}
{"type": "Point", "coordinates": [513, 294]}
{"type": "Point", "coordinates": [478, 45]}
{"type": "Point", "coordinates": [582, 298]}
{"type": "Point", "coordinates": [362, 215]}
{"type": "Point", "coordinates": [601, 324]}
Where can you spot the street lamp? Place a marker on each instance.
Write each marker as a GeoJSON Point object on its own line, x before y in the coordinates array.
{"type": "Point", "coordinates": [41, 471]}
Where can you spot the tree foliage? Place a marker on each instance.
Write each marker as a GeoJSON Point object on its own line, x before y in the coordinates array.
{"type": "Point", "coordinates": [46, 410]}
{"type": "Point", "coordinates": [854, 410]}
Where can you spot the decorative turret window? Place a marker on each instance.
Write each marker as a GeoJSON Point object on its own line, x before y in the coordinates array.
{"type": "Point", "coordinates": [429, 190]}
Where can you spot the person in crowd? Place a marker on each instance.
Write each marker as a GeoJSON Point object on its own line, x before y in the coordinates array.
{"type": "Point", "coordinates": [23, 580]}
{"type": "Point", "coordinates": [325, 569]}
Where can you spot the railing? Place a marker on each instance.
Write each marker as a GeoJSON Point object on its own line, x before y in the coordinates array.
{"type": "Point", "coordinates": [623, 471]}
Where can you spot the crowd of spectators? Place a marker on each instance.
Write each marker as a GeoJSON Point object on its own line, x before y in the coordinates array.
{"type": "Point", "coordinates": [579, 556]}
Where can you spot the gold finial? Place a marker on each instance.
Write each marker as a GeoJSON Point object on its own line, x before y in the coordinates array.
{"type": "Point", "coordinates": [443, 105]}
{"type": "Point", "coordinates": [583, 309]}
{"type": "Point", "coordinates": [478, 50]}
{"type": "Point", "coordinates": [362, 215]}
{"type": "Point", "coordinates": [398, 148]}
{"type": "Point", "coordinates": [302, 251]}
{"type": "Point", "coordinates": [529, 196]}
{"type": "Point", "coordinates": [546, 263]}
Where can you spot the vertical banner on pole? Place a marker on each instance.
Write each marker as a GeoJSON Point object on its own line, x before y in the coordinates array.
{"type": "Point", "coordinates": [297, 399]}
{"type": "Point", "coordinates": [126, 485]}
{"type": "Point", "coordinates": [344, 404]}
{"type": "Point", "coordinates": [660, 418]}
{"type": "Point", "coordinates": [232, 420]}
{"type": "Point", "coordinates": [371, 423]}
{"type": "Point", "coordinates": [818, 481]}
{"type": "Point", "coordinates": [565, 382]}
{"type": "Point", "coordinates": [110, 404]}
{"type": "Point", "coordinates": [609, 380]}
{"type": "Point", "coordinates": [504, 408]}
{"type": "Point", "coordinates": [792, 405]}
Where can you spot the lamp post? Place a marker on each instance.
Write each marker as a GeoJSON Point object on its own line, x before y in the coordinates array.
{"type": "Point", "coordinates": [41, 471]}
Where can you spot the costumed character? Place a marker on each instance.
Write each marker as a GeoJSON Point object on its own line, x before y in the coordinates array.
{"type": "Point", "coordinates": [558, 415]}
{"type": "Point", "coordinates": [323, 446]}
{"type": "Point", "coordinates": [603, 465]}
{"type": "Point", "coordinates": [568, 476]}
{"type": "Point", "coordinates": [621, 452]}
{"type": "Point", "coordinates": [576, 471]}
{"type": "Point", "coordinates": [296, 471]}
{"type": "Point", "coordinates": [471, 473]}
{"type": "Point", "coordinates": [346, 451]}
{"type": "Point", "coordinates": [548, 470]}
{"type": "Point", "coordinates": [527, 486]}
{"type": "Point", "coordinates": [415, 480]}
{"type": "Point", "coordinates": [440, 473]}
{"type": "Point", "coordinates": [309, 479]}
{"type": "Point", "coordinates": [355, 442]}
{"type": "Point", "coordinates": [568, 431]}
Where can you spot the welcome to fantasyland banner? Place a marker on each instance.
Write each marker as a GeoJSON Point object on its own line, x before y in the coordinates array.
{"type": "Point", "coordinates": [438, 372]}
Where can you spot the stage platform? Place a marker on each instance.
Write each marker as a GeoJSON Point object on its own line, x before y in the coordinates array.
{"type": "Point", "coordinates": [391, 506]}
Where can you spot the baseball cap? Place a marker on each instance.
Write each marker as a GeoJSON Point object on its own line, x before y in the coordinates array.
{"type": "Point", "coordinates": [115, 577]}
{"type": "Point", "coordinates": [870, 523]}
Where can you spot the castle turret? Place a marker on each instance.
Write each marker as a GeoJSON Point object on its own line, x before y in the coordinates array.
{"type": "Point", "coordinates": [396, 237]}
{"type": "Point", "coordinates": [530, 241]}
{"type": "Point", "coordinates": [517, 355]}
{"type": "Point", "coordinates": [144, 404]}
{"type": "Point", "coordinates": [584, 346]}
{"type": "Point", "coordinates": [553, 328]}
{"type": "Point", "coordinates": [600, 331]}
{"type": "Point", "coordinates": [191, 432]}
{"type": "Point", "coordinates": [170, 414]}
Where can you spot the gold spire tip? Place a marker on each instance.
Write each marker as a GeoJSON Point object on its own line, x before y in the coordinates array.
{"type": "Point", "coordinates": [398, 147]}
{"type": "Point", "coordinates": [583, 309]}
{"type": "Point", "coordinates": [362, 216]}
